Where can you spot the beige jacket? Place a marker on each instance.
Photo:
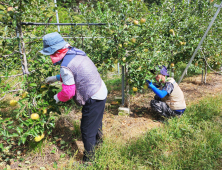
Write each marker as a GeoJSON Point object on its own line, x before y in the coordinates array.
{"type": "Point", "coordinates": [176, 99]}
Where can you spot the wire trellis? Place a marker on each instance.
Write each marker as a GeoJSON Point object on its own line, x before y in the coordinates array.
{"type": "Point", "coordinates": [11, 78]}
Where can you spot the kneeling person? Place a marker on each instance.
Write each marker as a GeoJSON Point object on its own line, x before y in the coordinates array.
{"type": "Point", "coordinates": [169, 99]}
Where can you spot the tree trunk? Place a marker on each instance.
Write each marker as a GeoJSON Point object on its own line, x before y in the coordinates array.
{"type": "Point", "coordinates": [22, 50]}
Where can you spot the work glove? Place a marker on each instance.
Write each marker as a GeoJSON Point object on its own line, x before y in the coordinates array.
{"type": "Point", "coordinates": [150, 84]}
{"type": "Point", "coordinates": [51, 79]}
{"type": "Point", "coordinates": [56, 98]}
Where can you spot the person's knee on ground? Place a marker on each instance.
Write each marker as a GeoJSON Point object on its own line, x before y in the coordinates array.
{"type": "Point", "coordinates": [156, 108]}
{"type": "Point", "coordinates": [157, 98]}
{"type": "Point", "coordinates": [161, 108]}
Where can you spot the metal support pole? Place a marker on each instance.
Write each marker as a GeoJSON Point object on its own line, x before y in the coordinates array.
{"type": "Point", "coordinates": [18, 37]}
{"type": "Point", "coordinates": [74, 24]}
{"type": "Point", "coordinates": [172, 72]}
{"type": "Point", "coordinates": [201, 41]}
{"type": "Point", "coordinates": [57, 16]}
{"type": "Point", "coordinates": [202, 77]}
{"type": "Point", "coordinates": [123, 85]}
{"type": "Point", "coordinates": [118, 68]}
{"type": "Point", "coordinates": [82, 37]}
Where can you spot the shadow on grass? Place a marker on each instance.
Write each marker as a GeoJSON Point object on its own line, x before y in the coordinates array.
{"type": "Point", "coordinates": [65, 134]}
{"type": "Point", "coordinates": [6, 110]}
{"type": "Point", "coordinates": [146, 112]}
{"type": "Point", "coordinates": [135, 111]}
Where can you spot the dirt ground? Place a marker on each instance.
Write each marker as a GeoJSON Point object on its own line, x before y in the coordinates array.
{"type": "Point", "coordinates": [141, 117]}
{"type": "Point", "coordinates": [116, 127]}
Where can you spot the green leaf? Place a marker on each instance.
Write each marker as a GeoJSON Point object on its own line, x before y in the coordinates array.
{"type": "Point", "coordinates": [14, 135]}
{"type": "Point", "coordinates": [10, 122]}
{"type": "Point", "coordinates": [62, 155]}
{"type": "Point", "coordinates": [33, 84]}
{"type": "Point", "coordinates": [10, 127]}
{"type": "Point", "coordinates": [19, 130]}
{"type": "Point", "coordinates": [1, 146]}
{"type": "Point", "coordinates": [6, 28]}
{"type": "Point", "coordinates": [62, 142]}
{"type": "Point", "coordinates": [53, 151]}
{"type": "Point", "coordinates": [6, 74]}
{"type": "Point", "coordinates": [21, 159]}
{"type": "Point", "coordinates": [55, 165]}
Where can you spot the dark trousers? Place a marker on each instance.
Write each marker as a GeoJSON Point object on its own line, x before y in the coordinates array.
{"type": "Point", "coordinates": [161, 108]}
{"type": "Point", "coordinates": [91, 126]}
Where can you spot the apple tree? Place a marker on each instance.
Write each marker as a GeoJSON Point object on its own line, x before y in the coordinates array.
{"type": "Point", "coordinates": [23, 70]}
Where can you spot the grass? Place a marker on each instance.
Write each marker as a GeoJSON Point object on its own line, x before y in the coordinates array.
{"type": "Point", "coordinates": [114, 84]}
{"type": "Point", "coordinates": [77, 130]}
{"type": "Point", "coordinates": [192, 142]}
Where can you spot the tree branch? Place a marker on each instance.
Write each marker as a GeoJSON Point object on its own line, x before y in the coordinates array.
{"type": "Point", "coordinates": [23, 52]}
{"type": "Point", "coordinates": [10, 54]}
{"type": "Point", "coordinates": [9, 92]}
{"type": "Point", "coordinates": [208, 64]}
{"type": "Point", "coordinates": [127, 52]}
{"type": "Point", "coordinates": [3, 3]}
{"type": "Point", "coordinates": [15, 75]}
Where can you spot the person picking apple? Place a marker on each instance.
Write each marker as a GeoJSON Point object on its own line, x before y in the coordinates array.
{"type": "Point", "coordinates": [81, 82]}
{"type": "Point", "coordinates": [169, 99]}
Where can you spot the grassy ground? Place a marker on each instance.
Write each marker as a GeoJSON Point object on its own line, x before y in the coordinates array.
{"type": "Point", "coordinates": [193, 141]}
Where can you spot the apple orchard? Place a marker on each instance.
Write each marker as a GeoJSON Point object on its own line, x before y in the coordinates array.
{"type": "Point", "coordinates": [136, 35]}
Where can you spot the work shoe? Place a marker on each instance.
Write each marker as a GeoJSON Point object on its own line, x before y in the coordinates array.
{"type": "Point", "coordinates": [99, 143]}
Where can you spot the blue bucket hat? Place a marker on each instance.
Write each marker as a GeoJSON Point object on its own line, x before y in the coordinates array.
{"type": "Point", "coordinates": [52, 42]}
{"type": "Point", "coordinates": [163, 70]}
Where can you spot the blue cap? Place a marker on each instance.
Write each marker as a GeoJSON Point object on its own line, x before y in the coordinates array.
{"type": "Point", "coordinates": [52, 42]}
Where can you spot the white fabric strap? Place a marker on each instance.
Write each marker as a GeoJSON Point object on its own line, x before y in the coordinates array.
{"type": "Point", "coordinates": [67, 45]}
{"type": "Point", "coordinates": [67, 76]}
{"type": "Point", "coordinates": [102, 93]}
